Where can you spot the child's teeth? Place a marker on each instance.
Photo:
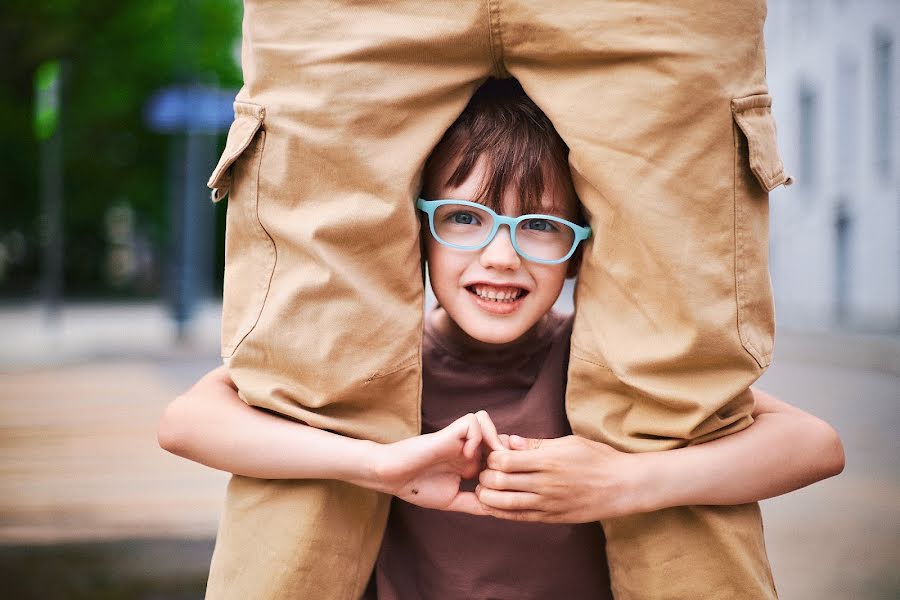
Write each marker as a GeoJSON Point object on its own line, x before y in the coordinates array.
{"type": "Point", "coordinates": [497, 296]}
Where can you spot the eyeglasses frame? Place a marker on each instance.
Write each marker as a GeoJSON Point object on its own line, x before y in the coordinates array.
{"type": "Point", "coordinates": [430, 206]}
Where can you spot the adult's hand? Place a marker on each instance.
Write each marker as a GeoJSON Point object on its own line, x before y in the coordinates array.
{"type": "Point", "coordinates": [564, 480]}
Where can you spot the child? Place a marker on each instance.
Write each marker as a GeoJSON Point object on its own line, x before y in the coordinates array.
{"type": "Point", "coordinates": [495, 356]}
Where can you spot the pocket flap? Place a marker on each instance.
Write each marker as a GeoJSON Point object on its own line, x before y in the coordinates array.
{"type": "Point", "coordinates": [753, 114]}
{"type": "Point", "coordinates": [248, 118]}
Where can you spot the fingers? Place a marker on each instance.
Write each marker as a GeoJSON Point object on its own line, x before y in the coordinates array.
{"type": "Point", "coordinates": [499, 480]}
{"type": "Point", "coordinates": [489, 431]}
{"type": "Point", "coordinates": [504, 439]}
{"type": "Point", "coordinates": [514, 461]}
{"type": "Point", "coordinates": [473, 435]}
{"type": "Point", "coordinates": [470, 469]}
{"type": "Point", "coordinates": [506, 500]}
{"type": "Point", "coordinates": [531, 516]}
{"type": "Point", "coordinates": [519, 443]}
{"type": "Point", "coordinates": [476, 429]}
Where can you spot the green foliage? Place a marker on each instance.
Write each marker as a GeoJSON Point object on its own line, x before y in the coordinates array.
{"type": "Point", "coordinates": [115, 54]}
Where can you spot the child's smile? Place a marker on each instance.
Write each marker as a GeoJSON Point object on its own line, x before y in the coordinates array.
{"type": "Point", "coordinates": [493, 295]}
{"type": "Point", "coordinates": [501, 300]}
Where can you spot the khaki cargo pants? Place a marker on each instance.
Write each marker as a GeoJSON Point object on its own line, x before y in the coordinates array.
{"type": "Point", "coordinates": [664, 105]}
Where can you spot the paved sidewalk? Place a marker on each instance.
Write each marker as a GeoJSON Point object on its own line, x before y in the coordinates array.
{"type": "Point", "coordinates": [87, 332]}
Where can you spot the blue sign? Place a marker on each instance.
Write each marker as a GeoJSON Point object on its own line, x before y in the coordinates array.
{"type": "Point", "coordinates": [181, 108]}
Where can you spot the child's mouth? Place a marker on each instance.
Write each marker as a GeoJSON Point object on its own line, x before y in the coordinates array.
{"type": "Point", "coordinates": [497, 299]}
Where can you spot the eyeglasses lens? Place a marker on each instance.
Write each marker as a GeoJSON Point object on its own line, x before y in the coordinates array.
{"type": "Point", "coordinates": [467, 226]}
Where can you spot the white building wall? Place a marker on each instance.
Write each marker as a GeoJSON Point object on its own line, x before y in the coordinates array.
{"type": "Point", "coordinates": [828, 48]}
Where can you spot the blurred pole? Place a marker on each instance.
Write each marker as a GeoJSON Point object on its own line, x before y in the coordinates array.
{"type": "Point", "coordinates": [49, 79]}
{"type": "Point", "coordinates": [192, 214]}
{"type": "Point", "coordinates": [192, 222]}
{"type": "Point", "coordinates": [177, 181]}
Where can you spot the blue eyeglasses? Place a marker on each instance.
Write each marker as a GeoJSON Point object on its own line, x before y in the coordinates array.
{"type": "Point", "coordinates": [466, 225]}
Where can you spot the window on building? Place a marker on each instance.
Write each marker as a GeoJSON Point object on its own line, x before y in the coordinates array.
{"type": "Point", "coordinates": [884, 104]}
{"type": "Point", "coordinates": [847, 147]}
{"type": "Point", "coordinates": [807, 128]}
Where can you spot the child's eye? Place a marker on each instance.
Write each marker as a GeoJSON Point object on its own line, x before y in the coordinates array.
{"type": "Point", "coordinates": [540, 225]}
{"type": "Point", "coordinates": [463, 218]}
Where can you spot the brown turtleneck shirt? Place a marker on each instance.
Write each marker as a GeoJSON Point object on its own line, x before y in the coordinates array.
{"type": "Point", "coordinates": [435, 555]}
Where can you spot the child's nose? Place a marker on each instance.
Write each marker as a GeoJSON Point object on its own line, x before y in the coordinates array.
{"type": "Point", "coordinates": [500, 253]}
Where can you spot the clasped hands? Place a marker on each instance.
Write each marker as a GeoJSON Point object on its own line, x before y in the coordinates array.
{"type": "Point", "coordinates": [563, 480]}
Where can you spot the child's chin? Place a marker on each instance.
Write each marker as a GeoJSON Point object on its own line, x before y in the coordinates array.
{"type": "Point", "coordinates": [498, 336]}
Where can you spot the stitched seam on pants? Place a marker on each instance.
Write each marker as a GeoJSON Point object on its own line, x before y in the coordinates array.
{"type": "Point", "coordinates": [594, 362]}
{"type": "Point", "coordinates": [496, 36]}
{"type": "Point", "coordinates": [749, 346]}
{"type": "Point", "coordinates": [405, 363]}
{"type": "Point", "coordinates": [273, 250]}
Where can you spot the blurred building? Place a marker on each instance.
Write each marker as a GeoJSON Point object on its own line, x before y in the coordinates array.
{"type": "Point", "coordinates": [835, 236]}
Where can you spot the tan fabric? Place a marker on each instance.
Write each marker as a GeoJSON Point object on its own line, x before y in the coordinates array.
{"type": "Point", "coordinates": [665, 108]}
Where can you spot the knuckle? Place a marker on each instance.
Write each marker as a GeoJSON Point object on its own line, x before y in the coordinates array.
{"type": "Point", "coordinates": [484, 478]}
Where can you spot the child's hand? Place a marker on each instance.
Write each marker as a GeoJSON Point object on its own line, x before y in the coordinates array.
{"type": "Point", "coordinates": [564, 480]}
{"type": "Point", "coordinates": [427, 470]}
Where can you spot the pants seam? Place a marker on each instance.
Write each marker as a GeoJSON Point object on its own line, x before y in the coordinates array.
{"type": "Point", "coordinates": [594, 362]}
{"type": "Point", "coordinates": [496, 37]}
{"type": "Point", "coordinates": [272, 251]}
{"type": "Point", "coordinates": [739, 242]}
{"type": "Point", "coordinates": [404, 364]}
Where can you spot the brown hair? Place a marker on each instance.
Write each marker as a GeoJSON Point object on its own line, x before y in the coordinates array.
{"type": "Point", "coordinates": [518, 141]}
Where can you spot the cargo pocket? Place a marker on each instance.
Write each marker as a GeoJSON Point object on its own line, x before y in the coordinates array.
{"type": "Point", "coordinates": [249, 250]}
{"type": "Point", "coordinates": [758, 169]}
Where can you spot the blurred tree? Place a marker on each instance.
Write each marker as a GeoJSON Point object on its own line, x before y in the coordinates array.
{"type": "Point", "coordinates": [118, 52]}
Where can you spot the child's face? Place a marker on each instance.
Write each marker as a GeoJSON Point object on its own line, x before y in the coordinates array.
{"type": "Point", "coordinates": [461, 279]}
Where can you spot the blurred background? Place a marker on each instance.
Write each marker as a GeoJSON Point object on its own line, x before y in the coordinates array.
{"type": "Point", "coordinates": [111, 257]}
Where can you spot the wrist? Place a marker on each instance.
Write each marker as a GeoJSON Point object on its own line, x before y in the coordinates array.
{"type": "Point", "coordinates": [648, 485]}
{"type": "Point", "coordinates": [368, 466]}
{"type": "Point", "coordinates": [662, 481]}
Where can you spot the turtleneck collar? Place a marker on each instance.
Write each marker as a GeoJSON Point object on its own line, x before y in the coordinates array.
{"type": "Point", "coordinates": [451, 337]}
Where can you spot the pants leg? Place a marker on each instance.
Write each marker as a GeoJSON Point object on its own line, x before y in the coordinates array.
{"type": "Point", "coordinates": [664, 106]}
{"type": "Point", "coordinates": [323, 299]}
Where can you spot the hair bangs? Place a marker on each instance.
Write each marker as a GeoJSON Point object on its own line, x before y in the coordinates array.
{"type": "Point", "coordinates": [520, 148]}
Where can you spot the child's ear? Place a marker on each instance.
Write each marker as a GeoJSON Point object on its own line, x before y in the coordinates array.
{"type": "Point", "coordinates": [574, 263]}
